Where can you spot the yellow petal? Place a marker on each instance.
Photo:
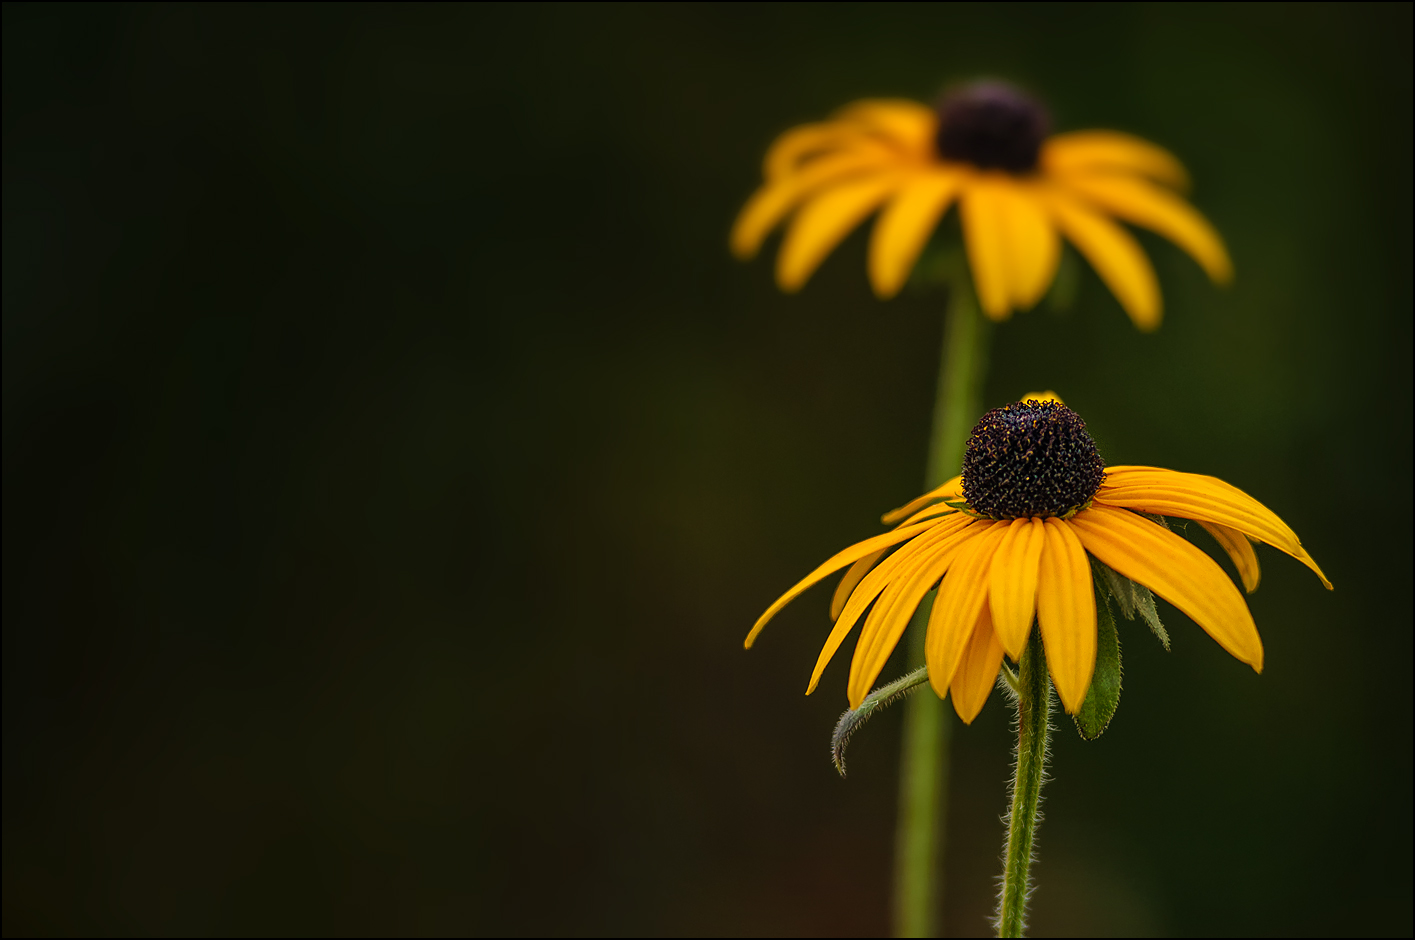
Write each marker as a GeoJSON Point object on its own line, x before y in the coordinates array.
{"type": "Point", "coordinates": [1066, 613]}
{"type": "Point", "coordinates": [852, 577]}
{"type": "Point", "coordinates": [1012, 584]}
{"type": "Point", "coordinates": [1161, 211]}
{"type": "Point", "coordinates": [1110, 150]}
{"type": "Point", "coordinates": [1115, 255]}
{"type": "Point", "coordinates": [1030, 243]}
{"type": "Point", "coordinates": [896, 566]}
{"type": "Point", "coordinates": [893, 612]}
{"type": "Point", "coordinates": [1238, 548]}
{"type": "Point", "coordinates": [905, 225]}
{"type": "Point", "coordinates": [907, 123]}
{"type": "Point", "coordinates": [826, 219]}
{"type": "Point", "coordinates": [776, 198]}
{"type": "Point", "coordinates": [960, 597]}
{"type": "Point", "coordinates": [977, 672]}
{"type": "Point", "coordinates": [799, 144]}
{"type": "Point", "coordinates": [938, 509]}
{"type": "Point", "coordinates": [835, 563]}
{"type": "Point", "coordinates": [953, 489]}
{"type": "Point", "coordinates": [981, 209]}
{"type": "Point", "coordinates": [1204, 499]}
{"type": "Point", "coordinates": [1175, 570]}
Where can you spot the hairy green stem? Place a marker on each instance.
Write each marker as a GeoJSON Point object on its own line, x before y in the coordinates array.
{"type": "Point", "coordinates": [923, 784]}
{"type": "Point", "coordinates": [1033, 705]}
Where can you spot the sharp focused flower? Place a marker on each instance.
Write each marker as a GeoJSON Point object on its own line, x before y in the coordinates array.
{"type": "Point", "coordinates": [1009, 540]}
{"type": "Point", "coordinates": [987, 148]}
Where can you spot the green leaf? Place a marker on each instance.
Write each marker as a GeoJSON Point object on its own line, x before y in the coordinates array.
{"type": "Point", "coordinates": [1104, 695]}
{"type": "Point", "coordinates": [1133, 599]}
{"type": "Point", "coordinates": [877, 700]}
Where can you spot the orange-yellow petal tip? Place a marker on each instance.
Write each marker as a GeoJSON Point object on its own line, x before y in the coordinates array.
{"type": "Point", "coordinates": [884, 291]}
{"type": "Point", "coordinates": [1316, 570]}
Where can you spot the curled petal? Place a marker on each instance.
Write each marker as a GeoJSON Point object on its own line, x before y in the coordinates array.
{"type": "Point", "coordinates": [908, 124]}
{"type": "Point", "coordinates": [795, 147]}
{"type": "Point", "coordinates": [1240, 550]}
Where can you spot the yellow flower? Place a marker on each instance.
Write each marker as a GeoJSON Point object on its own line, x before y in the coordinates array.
{"type": "Point", "coordinates": [1009, 539]}
{"type": "Point", "coordinates": [986, 148]}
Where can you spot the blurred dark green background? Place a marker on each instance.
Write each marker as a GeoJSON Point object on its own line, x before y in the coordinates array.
{"type": "Point", "coordinates": [394, 460]}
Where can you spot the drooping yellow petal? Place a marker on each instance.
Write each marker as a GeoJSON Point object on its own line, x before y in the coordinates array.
{"type": "Point", "coordinates": [1203, 499]}
{"type": "Point", "coordinates": [896, 566]}
{"type": "Point", "coordinates": [1238, 548]}
{"type": "Point", "coordinates": [799, 144]}
{"type": "Point", "coordinates": [835, 563]}
{"type": "Point", "coordinates": [1012, 584]}
{"type": "Point", "coordinates": [1066, 613]}
{"type": "Point", "coordinates": [826, 219]}
{"type": "Point", "coordinates": [893, 613]}
{"type": "Point", "coordinates": [1174, 569]}
{"type": "Point", "coordinates": [1159, 210]}
{"type": "Point", "coordinates": [905, 225]}
{"type": "Point", "coordinates": [1030, 243]}
{"type": "Point", "coordinates": [982, 207]}
{"type": "Point", "coordinates": [937, 509]}
{"type": "Point", "coordinates": [1064, 154]}
{"type": "Point", "coordinates": [907, 123]}
{"type": "Point", "coordinates": [852, 577]}
{"type": "Point", "coordinates": [960, 597]}
{"type": "Point", "coordinates": [1114, 253]}
{"type": "Point", "coordinates": [953, 489]}
{"type": "Point", "coordinates": [977, 672]}
{"type": "Point", "coordinates": [776, 198]}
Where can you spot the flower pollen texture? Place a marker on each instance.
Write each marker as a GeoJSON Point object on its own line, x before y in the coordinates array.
{"type": "Point", "coordinates": [992, 126]}
{"type": "Point", "coordinates": [1032, 458]}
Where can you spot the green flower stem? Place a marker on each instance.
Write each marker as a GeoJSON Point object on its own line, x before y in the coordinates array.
{"type": "Point", "coordinates": [923, 785]}
{"type": "Point", "coordinates": [1033, 705]}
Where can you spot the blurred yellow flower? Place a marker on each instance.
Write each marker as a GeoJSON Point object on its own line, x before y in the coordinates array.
{"type": "Point", "coordinates": [1009, 539]}
{"type": "Point", "coordinates": [986, 148]}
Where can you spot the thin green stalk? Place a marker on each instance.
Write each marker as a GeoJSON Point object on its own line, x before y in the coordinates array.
{"type": "Point", "coordinates": [1033, 705]}
{"type": "Point", "coordinates": [923, 785]}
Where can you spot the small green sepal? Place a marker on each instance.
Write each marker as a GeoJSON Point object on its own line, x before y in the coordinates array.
{"type": "Point", "coordinates": [961, 505]}
{"type": "Point", "coordinates": [1103, 698]}
{"type": "Point", "coordinates": [1133, 599]}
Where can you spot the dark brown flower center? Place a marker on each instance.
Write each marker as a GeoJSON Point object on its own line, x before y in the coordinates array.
{"type": "Point", "coordinates": [1033, 458]}
{"type": "Point", "coordinates": [992, 126]}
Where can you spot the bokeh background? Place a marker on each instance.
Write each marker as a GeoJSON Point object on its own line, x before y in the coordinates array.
{"type": "Point", "coordinates": [394, 460]}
